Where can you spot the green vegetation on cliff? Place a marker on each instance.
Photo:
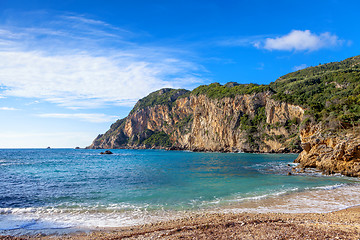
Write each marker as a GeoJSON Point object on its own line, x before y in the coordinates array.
{"type": "Point", "coordinates": [116, 129]}
{"type": "Point", "coordinates": [165, 96]}
{"type": "Point", "coordinates": [330, 92]}
{"type": "Point", "coordinates": [252, 125]}
{"type": "Point", "coordinates": [218, 91]}
{"type": "Point", "coordinates": [158, 139]}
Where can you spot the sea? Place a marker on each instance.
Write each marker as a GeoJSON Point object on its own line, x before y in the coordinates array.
{"type": "Point", "coordinates": [55, 191]}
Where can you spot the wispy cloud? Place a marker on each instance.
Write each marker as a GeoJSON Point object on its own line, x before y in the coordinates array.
{"type": "Point", "coordinates": [298, 40]}
{"type": "Point", "coordinates": [87, 117]}
{"type": "Point", "coordinates": [77, 62]}
{"type": "Point", "coordinates": [83, 80]}
{"type": "Point", "coordinates": [244, 41]}
{"type": "Point", "coordinates": [32, 102]}
{"type": "Point", "coordinates": [8, 109]}
{"type": "Point", "coordinates": [302, 66]}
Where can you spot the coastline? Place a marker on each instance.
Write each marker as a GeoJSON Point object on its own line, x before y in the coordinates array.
{"type": "Point", "coordinates": [342, 224]}
{"type": "Point", "coordinates": [175, 148]}
{"type": "Point", "coordinates": [314, 214]}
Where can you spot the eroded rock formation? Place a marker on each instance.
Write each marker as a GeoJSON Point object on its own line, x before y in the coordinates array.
{"type": "Point", "coordinates": [330, 152]}
{"type": "Point", "coordinates": [250, 123]}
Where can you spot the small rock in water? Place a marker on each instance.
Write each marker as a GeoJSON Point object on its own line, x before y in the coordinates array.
{"type": "Point", "coordinates": [106, 152]}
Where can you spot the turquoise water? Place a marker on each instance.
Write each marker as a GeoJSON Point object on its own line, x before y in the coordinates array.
{"type": "Point", "coordinates": [67, 188]}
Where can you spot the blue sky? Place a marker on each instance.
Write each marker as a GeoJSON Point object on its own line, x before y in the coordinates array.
{"type": "Point", "coordinates": [68, 69]}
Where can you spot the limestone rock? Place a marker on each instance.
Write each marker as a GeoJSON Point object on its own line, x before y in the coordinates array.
{"type": "Point", "coordinates": [333, 153]}
{"type": "Point", "coordinates": [244, 123]}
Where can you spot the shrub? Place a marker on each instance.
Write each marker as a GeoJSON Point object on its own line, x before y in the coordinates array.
{"type": "Point", "coordinates": [158, 139]}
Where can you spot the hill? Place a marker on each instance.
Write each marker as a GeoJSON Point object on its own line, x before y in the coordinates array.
{"type": "Point", "coordinates": [308, 111]}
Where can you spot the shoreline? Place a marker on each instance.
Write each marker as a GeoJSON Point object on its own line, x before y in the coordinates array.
{"type": "Point", "coordinates": [308, 196]}
{"type": "Point", "coordinates": [175, 148]}
{"type": "Point", "coordinates": [341, 224]}
{"type": "Point", "coordinates": [277, 216]}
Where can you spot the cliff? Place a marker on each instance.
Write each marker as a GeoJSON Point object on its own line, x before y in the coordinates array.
{"type": "Point", "coordinates": [322, 101]}
{"type": "Point", "coordinates": [330, 151]}
{"type": "Point", "coordinates": [250, 123]}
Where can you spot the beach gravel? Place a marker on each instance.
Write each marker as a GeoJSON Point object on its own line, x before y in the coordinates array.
{"type": "Point", "coordinates": [344, 224]}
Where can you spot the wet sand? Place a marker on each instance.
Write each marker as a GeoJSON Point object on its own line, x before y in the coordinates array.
{"type": "Point", "coordinates": [343, 224]}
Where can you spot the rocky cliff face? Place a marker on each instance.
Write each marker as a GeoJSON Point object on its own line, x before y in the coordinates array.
{"type": "Point", "coordinates": [249, 123]}
{"type": "Point", "coordinates": [256, 118]}
{"type": "Point", "coordinates": [330, 152]}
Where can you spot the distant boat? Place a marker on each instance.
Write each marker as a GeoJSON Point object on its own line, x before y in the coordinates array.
{"type": "Point", "coordinates": [48, 147]}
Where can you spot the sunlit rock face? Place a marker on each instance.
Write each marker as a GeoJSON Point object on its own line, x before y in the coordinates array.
{"type": "Point", "coordinates": [329, 151]}
{"type": "Point", "coordinates": [244, 123]}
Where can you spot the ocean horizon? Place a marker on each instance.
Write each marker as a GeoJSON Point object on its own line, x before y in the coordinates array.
{"type": "Point", "coordinates": [55, 190]}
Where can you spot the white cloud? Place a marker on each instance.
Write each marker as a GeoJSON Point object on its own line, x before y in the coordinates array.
{"type": "Point", "coordinates": [302, 66]}
{"type": "Point", "coordinates": [8, 108]}
{"type": "Point", "coordinates": [89, 69]}
{"type": "Point", "coordinates": [87, 117]}
{"type": "Point", "coordinates": [298, 40]}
